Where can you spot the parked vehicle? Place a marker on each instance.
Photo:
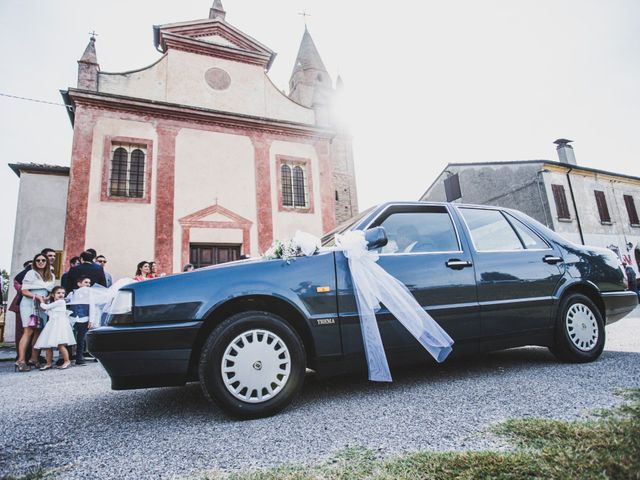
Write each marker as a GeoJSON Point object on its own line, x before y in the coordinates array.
{"type": "Point", "coordinates": [493, 278]}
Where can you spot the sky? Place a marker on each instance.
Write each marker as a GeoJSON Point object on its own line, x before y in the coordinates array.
{"type": "Point", "coordinates": [426, 83]}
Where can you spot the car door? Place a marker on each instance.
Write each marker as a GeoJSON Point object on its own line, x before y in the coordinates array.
{"type": "Point", "coordinates": [517, 272]}
{"type": "Point", "coordinates": [436, 267]}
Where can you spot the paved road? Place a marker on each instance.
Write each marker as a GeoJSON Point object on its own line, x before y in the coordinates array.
{"type": "Point", "coordinates": [71, 420]}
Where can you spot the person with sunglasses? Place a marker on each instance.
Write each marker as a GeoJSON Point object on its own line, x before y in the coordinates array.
{"type": "Point", "coordinates": [102, 261]}
{"type": "Point", "coordinates": [37, 284]}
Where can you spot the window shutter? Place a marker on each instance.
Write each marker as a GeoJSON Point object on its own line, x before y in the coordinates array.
{"type": "Point", "coordinates": [561, 201]}
{"type": "Point", "coordinates": [119, 172]}
{"type": "Point", "coordinates": [287, 190]}
{"type": "Point", "coordinates": [298, 187]}
{"type": "Point", "coordinates": [631, 210]}
{"type": "Point", "coordinates": [136, 174]}
{"type": "Point", "coordinates": [603, 210]}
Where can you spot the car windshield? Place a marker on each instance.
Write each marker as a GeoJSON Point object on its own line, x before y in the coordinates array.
{"type": "Point", "coordinates": [328, 239]}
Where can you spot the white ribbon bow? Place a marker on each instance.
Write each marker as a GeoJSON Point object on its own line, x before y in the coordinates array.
{"type": "Point", "coordinates": [372, 285]}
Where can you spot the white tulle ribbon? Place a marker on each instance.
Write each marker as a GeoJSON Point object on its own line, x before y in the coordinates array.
{"type": "Point", "coordinates": [97, 297]}
{"type": "Point", "coordinates": [372, 285]}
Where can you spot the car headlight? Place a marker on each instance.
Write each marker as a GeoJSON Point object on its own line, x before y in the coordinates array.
{"type": "Point", "coordinates": [121, 309]}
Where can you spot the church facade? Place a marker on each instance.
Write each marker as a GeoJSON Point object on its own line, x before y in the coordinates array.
{"type": "Point", "coordinates": [199, 158]}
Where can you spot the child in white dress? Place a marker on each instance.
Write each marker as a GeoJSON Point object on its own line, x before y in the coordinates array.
{"type": "Point", "coordinates": [57, 333]}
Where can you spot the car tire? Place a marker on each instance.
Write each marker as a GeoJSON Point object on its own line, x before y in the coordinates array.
{"type": "Point", "coordinates": [252, 365]}
{"type": "Point", "coordinates": [579, 333]}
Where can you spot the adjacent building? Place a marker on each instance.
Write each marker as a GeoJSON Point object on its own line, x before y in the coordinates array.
{"type": "Point", "coordinates": [586, 205]}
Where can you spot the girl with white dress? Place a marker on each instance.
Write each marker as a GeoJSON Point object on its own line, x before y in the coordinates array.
{"type": "Point", "coordinates": [57, 332]}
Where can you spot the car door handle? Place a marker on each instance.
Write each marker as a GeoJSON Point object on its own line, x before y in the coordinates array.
{"type": "Point", "coordinates": [458, 264]}
{"type": "Point", "coordinates": [552, 259]}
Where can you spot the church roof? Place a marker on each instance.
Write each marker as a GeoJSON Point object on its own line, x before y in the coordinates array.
{"type": "Point", "coordinates": [43, 168]}
{"type": "Point", "coordinates": [308, 56]}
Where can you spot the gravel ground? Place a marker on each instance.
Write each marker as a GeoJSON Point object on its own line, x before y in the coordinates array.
{"type": "Point", "coordinates": [72, 422]}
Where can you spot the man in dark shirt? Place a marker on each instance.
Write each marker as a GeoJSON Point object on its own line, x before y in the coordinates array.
{"type": "Point", "coordinates": [72, 263]}
{"type": "Point", "coordinates": [87, 268]}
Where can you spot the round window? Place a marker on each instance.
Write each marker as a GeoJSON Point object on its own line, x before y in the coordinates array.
{"type": "Point", "coordinates": [217, 78]}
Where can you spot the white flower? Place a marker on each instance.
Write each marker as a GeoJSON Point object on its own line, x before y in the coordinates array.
{"type": "Point", "coordinates": [301, 244]}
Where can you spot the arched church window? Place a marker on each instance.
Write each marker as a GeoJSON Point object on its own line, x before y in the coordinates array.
{"type": "Point", "coordinates": [299, 197]}
{"type": "Point", "coordinates": [287, 189]}
{"type": "Point", "coordinates": [136, 174]}
{"type": "Point", "coordinates": [295, 189]}
{"type": "Point", "coordinates": [127, 173]}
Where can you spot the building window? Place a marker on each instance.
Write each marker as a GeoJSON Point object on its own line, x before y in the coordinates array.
{"type": "Point", "coordinates": [294, 184]}
{"type": "Point", "coordinates": [631, 210]}
{"type": "Point", "coordinates": [561, 201]}
{"type": "Point", "coordinates": [603, 210]}
{"type": "Point", "coordinates": [299, 191]}
{"type": "Point", "coordinates": [287, 188]}
{"type": "Point", "coordinates": [127, 174]}
{"type": "Point", "coordinates": [294, 188]}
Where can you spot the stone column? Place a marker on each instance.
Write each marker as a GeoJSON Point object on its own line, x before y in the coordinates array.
{"type": "Point", "coordinates": [75, 230]}
{"type": "Point", "coordinates": [165, 197]}
{"type": "Point", "coordinates": [264, 209]}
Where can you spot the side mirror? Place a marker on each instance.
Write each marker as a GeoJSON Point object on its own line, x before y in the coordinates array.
{"type": "Point", "coordinates": [376, 237]}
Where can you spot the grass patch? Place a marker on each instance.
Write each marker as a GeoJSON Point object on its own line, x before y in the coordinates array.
{"type": "Point", "coordinates": [32, 474]}
{"type": "Point", "coordinates": [607, 447]}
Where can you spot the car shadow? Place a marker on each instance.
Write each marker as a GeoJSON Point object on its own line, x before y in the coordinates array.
{"type": "Point", "coordinates": [175, 404]}
{"type": "Point", "coordinates": [514, 363]}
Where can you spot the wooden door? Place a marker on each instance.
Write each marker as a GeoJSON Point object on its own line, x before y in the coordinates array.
{"type": "Point", "coordinates": [204, 254]}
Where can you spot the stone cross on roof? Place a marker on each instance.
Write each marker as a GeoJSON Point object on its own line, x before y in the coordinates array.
{"type": "Point", "coordinates": [304, 15]}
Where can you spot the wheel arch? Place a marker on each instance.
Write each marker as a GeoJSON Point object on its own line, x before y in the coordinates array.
{"type": "Point", "coordinates": [590, 291]}
{"type": "Point", "coordinates": [265, 303]}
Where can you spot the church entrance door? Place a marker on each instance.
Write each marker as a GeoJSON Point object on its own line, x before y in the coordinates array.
{"type": "Point", "coordinates": [205, 254]}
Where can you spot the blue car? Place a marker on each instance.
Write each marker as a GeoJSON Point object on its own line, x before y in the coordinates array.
{"type": "Point", "coordinates": [491, 277]}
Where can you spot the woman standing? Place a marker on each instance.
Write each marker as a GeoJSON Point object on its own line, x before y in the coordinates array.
{"type": "Point", "coordinates": [153, 270]}
{"type": "Point", "coordinates": [37, 284]}
{"type": "Point", "coordinates": [142, 271]}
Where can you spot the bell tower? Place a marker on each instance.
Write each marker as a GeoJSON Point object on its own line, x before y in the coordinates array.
{"type": "Point", "coordinates": [312, 86]}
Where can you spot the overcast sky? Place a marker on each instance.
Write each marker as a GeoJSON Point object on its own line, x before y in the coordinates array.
{"type": "Point", "coordinates": [427, 82]}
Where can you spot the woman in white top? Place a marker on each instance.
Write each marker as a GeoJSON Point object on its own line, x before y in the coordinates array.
{"type": "Point", "coordinates": [37, 284]}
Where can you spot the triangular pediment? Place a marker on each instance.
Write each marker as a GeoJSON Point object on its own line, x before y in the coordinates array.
{"type": "Point", "coordinates": [214, 214]}
{"type": "Point", "coordinates": [219, 40]}
{"type": "Point", "coordinates": [216, 217]}
{"type": "Point", "coordinates": [213, 37]}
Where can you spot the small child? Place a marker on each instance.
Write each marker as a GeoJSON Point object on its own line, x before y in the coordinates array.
{"type": "Point", "coordinates": [57, 332]}
{"type": "Point", "coordinates": [80, 313]}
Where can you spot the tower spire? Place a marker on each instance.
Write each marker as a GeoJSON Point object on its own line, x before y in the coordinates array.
{"type": "Point", "coordinates": [89, 55]}
{"type": "Point", "coordinates": [88, 67]}
{"type": "Point", "coordinates": [310, 83]}
{"type": "Point", "coordinates": [217, 10]}
{"type": "Point", "coordinates": [308, 56]}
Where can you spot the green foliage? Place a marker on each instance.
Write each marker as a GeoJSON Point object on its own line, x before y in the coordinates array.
{"type": "Point", "coordinates": [605, 448]}
{"type": "Point", "coordinates": [33, 474]}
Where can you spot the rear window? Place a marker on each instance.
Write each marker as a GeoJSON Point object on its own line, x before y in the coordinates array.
{"type": "Point", "coordinates": [490, 231]}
